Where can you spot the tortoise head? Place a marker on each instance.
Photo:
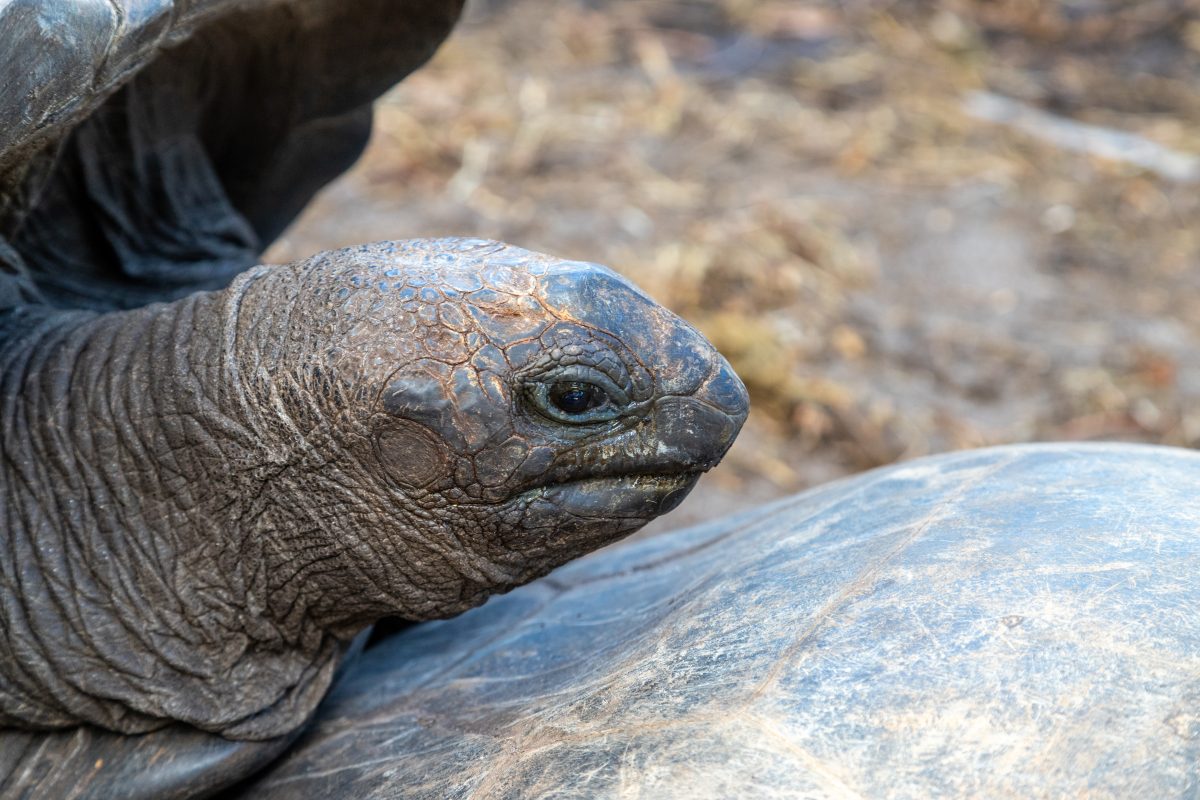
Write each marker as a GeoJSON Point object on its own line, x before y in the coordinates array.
{"type": "Point", "coordinates": [474, 415]}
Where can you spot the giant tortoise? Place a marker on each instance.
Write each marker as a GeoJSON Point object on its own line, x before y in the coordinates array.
{"type": "Point", "coordinates": [217, 476]}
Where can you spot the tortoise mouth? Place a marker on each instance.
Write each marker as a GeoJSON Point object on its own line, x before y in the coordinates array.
{"type": "Point", "coordinates": [639, 496]}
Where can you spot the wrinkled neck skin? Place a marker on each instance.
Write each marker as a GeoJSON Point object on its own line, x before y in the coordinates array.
{"type": "Point", "coordinates": [146, 576]}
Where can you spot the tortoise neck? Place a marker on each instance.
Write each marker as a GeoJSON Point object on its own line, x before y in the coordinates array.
{"type": "Point", "coordinates": [133, 571]}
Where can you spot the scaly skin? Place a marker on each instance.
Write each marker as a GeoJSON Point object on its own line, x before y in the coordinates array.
{"type": "Point", "coordinates": [203, 502]}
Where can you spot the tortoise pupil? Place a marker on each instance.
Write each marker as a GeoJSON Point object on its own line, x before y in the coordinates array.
{"type": "Point", "coordinates": [576, 398]}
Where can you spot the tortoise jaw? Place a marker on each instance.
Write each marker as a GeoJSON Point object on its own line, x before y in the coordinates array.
{"type": "Point", "coordinates": [643, 496]}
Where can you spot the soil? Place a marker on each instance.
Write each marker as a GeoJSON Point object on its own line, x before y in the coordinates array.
{"type": "Point", "coordinates": [812, 184]}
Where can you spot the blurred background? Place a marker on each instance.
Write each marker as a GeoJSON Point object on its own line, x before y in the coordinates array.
{"type": "Point", "coordinates": [911, 226]}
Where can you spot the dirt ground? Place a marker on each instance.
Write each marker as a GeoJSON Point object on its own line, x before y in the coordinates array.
{"type": "Point", "coordinates": [912, 227]}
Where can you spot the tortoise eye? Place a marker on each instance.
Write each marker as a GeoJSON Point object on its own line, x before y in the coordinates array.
{"type": "Point", "coordinates": [576, 397]}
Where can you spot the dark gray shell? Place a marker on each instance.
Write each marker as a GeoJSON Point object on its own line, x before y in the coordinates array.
{"type": "Point", "coordinates": [1014, 622]}
{"type": "Point", "coordinates": [63, 60]}
{"type": "Point", "coordinates": [238, 111]}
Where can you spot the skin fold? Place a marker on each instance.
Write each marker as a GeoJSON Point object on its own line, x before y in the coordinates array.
{"type": "Point", "coordinates": [205, 501]}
